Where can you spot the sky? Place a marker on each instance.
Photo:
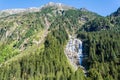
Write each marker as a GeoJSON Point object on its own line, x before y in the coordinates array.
{"type": "Point", "coordinates": [102, 7]}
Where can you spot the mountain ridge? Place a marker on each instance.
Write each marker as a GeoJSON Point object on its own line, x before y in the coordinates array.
{"type": "Point", "coordinates": [32, 45]}
{"type": "Point", "coordinates": [116, 13]}
{"type": "Point", "coordinates": [60, 6]}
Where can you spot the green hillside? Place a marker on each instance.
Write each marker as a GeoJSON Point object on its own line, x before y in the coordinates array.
{"type": "Point", "coordinates": [32, 44]}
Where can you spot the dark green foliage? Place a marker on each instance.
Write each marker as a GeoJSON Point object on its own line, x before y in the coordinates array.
{"type": "Point", "coordinates": [73, 19]}
{"type": "Point", "coordinates": [94, 75]}
{"type": "Point", "coordinates": [49, 64]}
{"type": "Point", "coordinates": [97, 24]}
{"type": "Point", "coordinates": [117, 13]}
{"type": "Point", "coordinates": [115, 19]}
{"type": "Point", "coordinates": [61, 35]}
{"type": "Point", "coordinates": [78, 75]}
{"type": "Point", "coordinates": [47, 10]}
{"type": "Point", "coordinates": [103, 51]}
{"type": "Point", "coordinates": [23, 59]}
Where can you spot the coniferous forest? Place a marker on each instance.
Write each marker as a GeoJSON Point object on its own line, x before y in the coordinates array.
{"type": "Point", "coordinates": [32, 44]}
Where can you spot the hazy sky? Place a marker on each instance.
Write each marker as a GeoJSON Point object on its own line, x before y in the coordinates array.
{"type": "Point", "coordinates": [102, 7]}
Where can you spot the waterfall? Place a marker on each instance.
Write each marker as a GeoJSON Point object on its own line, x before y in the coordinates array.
{"type": "Point", "coordinates": [80, 52]}
{"type": "Point", "coordinates": [73, 51]}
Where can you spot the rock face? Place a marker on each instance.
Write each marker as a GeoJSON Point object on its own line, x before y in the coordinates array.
{"type": "Point", "coordinates": [83, 9]}
{"type": "Point", "coordinates": [58, 6]}
{"type": "Point", "coordinates": [73, 52]}
{"type": "Point", "coordinates": [17, 11]}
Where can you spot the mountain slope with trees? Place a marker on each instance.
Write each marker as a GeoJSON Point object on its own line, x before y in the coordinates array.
{"type": "Point", "coordinates": [32, 44]}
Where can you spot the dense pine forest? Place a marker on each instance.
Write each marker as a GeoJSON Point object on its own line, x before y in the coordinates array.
{"type": "Point", "coordinates": [32, 44]}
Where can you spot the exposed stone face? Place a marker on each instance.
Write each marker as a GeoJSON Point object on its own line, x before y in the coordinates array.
{"type": "Point", "coordinates": [83, 9]}
{"type": "Point", "coordinates": [58, 6]}
{"type": "Point", "coordinates": [16, 11]}
{"type": "Point", "coordinates": [73, 51]}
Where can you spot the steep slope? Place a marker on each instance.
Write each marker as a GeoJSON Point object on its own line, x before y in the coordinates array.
{"type": "Point", "coordinates": [104, 23]}
{"type": "Point", "coordinates": [32, 45]}
{"type": "Point", "coordinates": [102, 45]}
{"type": "Point", "coordinates": [19, 31]}
{"type": "Point", "coordinates": [25, 50]}
{"type": "Point", "coordinates": [97, 24]}
{"type": "Point", "coordinates": [57, 6]}
{"type": "Point", "coordinates": [73, 19]}
{"type": "Point", "coordinates": [116, 13]}
{"type": "Point", "coordinates": [115, 19]}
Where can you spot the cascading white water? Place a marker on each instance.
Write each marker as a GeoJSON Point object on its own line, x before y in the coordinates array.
{"type": "Point", "coordinates": [74, 53]}
{"type": "Point", "coordinates": [80, 52]}
{"type": "Point", "coordinates": [74, 49]}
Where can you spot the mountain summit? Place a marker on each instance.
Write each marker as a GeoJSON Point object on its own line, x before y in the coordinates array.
{"type": "Point", "coordinates": [83, 9]}
{"type": "Point", "coordinates": [59, 42]}
{"type": "Point", "coordinates": [58, 6]}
